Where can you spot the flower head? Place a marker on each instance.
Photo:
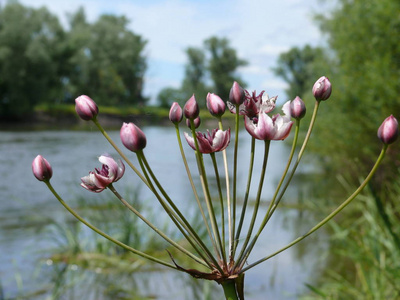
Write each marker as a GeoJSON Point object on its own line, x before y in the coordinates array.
{"type": "Point", "coordinates": [215, 105]}
{"type": "Point", "coordinates": [175, 113]}
{"type": "Point", "coordinates": [297, 108]}
{"type": "Point", "coordinates": [86, 108]}
{"type": "Point", "coordinates": [110, 172]}
{"type": "Point", "coordinates": [322, 89]}
{"type": "Point", "coordinates": [191, 108]}
{"type": "Point", "coordinates": [254, 104]}
{"type": "Point", "coordinates": [212, 142]}
{"type": "Point", "coordinates": [132, 137]}
{"type": "Point", "coordinates": [389, 130]}
{"type": "Point", "coordinates": [263, 127]}
{"type": "Point", "coordinates": [41, 168]}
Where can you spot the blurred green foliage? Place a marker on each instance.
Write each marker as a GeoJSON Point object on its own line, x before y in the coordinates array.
{"type": "Point", "coordinates": [42, 62]}
{"type": "Point", "coordinates": [366, 253]}
{"type": "Point", "coordinates": [209, 69]}
{"type": "Point", "coordinates": [362, 61]}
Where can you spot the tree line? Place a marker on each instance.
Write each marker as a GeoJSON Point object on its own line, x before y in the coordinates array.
{"type": "Point", "coordinates": [41, 62]}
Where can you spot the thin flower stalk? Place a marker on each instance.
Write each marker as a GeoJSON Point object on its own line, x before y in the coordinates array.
{"type": "Point", "coordinates": [189, 174]}
{"type": "Point", "coordinates": [158, 231]}
{"type": "Point", "coordinates": [299, 156]}
{"type": "Point", "coordinates": [206, 191]}
{"type": "Point", "coordinates": [235, 158]}
{"type": "Point", "coordinates": [108, 237]}
{"type": "Point", "coordinates": [275, 201]}
{"type": "Point", "coordinates": [227, 183]}
{"type": "Point", "coordinates": [247, 193]}
{"type": "Point", "coordinates": [330, 216]}
{"type": "Point", "coordinates": [221, 200]}
{"type": "Point", "coordinates": [257, 203]}
{"type": "Point", "coordinates": [273, 204]}
{"type": "Point", "coordinates": [177, 215]}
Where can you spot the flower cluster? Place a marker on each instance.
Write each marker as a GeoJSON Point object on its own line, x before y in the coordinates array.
{"type": "Point", "coordinates": [227, 261]}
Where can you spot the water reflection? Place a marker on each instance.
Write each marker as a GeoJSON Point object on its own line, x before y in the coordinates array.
{"type": "Point", "coordinates": [27, 211]}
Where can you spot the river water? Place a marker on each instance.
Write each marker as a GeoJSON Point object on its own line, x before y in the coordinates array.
{"type": "Point", "coordinates": [27, 208]}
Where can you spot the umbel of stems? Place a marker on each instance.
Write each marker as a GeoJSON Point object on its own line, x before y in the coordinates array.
{"type": "Point", "coordinates": [232, 230]}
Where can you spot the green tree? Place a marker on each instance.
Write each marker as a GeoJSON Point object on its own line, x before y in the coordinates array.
{"type": "Point", "coordinates": [31, 42]}
{"type": "Point", "coordinates": [108, 62]}
{"type": "Point", "coordinates": [298, 67]}
{"type": "Point", "coordinates": [212, 68]}
{"type": "Point", "coordinates": [194, 81]}
{"type": "Point", "coordinates": [222, 65]}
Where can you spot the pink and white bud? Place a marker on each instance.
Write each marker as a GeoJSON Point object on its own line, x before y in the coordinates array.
{"type": "Point", "coordinates": [86, 108]}
{"type": "Point", "coordinates": [191, 108]}
{"type": "Point", "coordinates": [297, 108]}
{"type": "Point", "coordinates": [236, 94]}
{"type": "Point", "coordinates": [41, 168]}
{"type": "Point", "coordinates": [110, 172]}
{"type": "Point", "coordinates": [212, 142]}
{"type": "Point", "coordinates": [322, 89]}
{"type": "Point", "coordinates": [196, 122]}
{"type": "Point", "coordinates": [132, 137]}
{"type": "Point", "coordinates": [389, 130]}
{"type": "Point", "coordinates": [175, 113]}
{"type": "Point", "coordinates": [215, 105]}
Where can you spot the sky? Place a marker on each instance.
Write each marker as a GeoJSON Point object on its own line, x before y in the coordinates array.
{"type": "Point", "coordinates": [258, 29]}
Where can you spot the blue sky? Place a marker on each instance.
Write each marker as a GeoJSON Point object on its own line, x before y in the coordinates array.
{"type": "Point", "coordinates": [258, 29]}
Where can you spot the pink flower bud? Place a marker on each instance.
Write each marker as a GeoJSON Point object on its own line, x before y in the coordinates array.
{"type": "Point", "coordinates": [41, 168]}
{"type": "Point", "coordinates": [132, 137]}
{"type": "Point", "coordinates": [191, 108]}
{"type": "Point", "coordinates": [322, 89]}
{"type": "Point", "coordinates": [175, 113]}
{"type": "Point", "coordinates": [86, 108]}
{"type": "Point", "coordinates": [297, 108]}
{"type": "Point", "coordinates": [389, 130]}
{"type": "Point", "coordinates": [196, 121]}
{"type": "Point", "coordinates": [236, 94]}
{"type": "Point", "coordinates": [215, 105]}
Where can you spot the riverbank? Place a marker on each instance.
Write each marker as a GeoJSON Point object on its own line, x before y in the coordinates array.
{"type": "Point", "coordinates": [64, 117]}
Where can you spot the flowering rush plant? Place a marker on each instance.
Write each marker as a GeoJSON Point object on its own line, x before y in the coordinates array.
{"type": "Point", "coordinates": [223, 257]}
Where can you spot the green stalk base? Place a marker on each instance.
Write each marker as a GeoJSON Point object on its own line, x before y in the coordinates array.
{"type": "Point", "coordinates": [229, 287]}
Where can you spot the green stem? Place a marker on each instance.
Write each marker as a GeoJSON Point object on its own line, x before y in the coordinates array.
{"type": "Point", "coordinates": [158, 231]}
{"type": "Point", "coordinates": [174, 217]}
{"type": "Point", "coordinates": [97, 230]}
{"type": "Point", "coordinates": [246, 196]}
{"type": "Point", "coordinates": [230, 292]}
{"type": "Point", "coordinates": [228, 192]}
{"type": "Point", "coordinates": [299, 156]}
{"type": "Point", "coordinates": [206, 191]}
{"type": "Point", "coordinates": [221, 200]}
{"type": "Point", "coordinates": [189, 175]}
{"type": "Point", "coordinates": [273, 204]}
{"type": "Point", "coordinates": [242, 255]}
{"type": "Point", "coordinates": [330, 216]}
{"type": "Point", "coordinates": [235, 155]}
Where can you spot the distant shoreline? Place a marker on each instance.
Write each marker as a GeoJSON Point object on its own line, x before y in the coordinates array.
{"type": "Point", "coordinates": [67, 119]}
